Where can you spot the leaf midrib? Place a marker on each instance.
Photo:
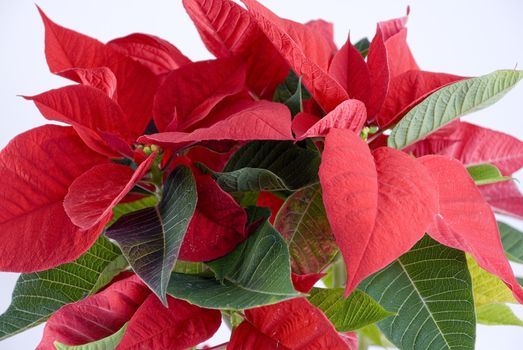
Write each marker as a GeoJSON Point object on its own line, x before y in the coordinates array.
{"type": "Point", "coordinates": [404, 269]}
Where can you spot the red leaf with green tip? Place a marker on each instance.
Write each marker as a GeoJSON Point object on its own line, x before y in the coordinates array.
{"type": "Point", "coordinates": [307, 53]}
{"type": "Point", "coordinates": [228, 30]}
{"type": "Point", "coordinates": [37, 167]}
{"type": "Point", "coordinates": [465, 221]}
{"type": "Point", "coordinates": [189, 93]}
{"type": "Point", "coordinates": [93, 195]}
{"type": "Point", "coordinates": [383, 199]}
{"type": "Point", "coordinates": [292, 324]}
{"type": "Point", "coordinates": [157, 54]}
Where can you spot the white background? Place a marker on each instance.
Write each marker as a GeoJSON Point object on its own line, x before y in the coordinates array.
{"type": "Point", "coordinates": [466, 37]}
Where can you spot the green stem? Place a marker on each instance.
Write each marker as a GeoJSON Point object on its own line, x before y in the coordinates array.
{"type": "Point", "coordinates": [339, 274]}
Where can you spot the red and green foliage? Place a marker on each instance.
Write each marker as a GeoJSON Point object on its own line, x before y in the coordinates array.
{"type": "Point", "coordinates": [182, 192]}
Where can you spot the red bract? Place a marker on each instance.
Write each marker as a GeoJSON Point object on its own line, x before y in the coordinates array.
{"type": "Point", "coordinates": [199, 159]}
{"type": "Point", "coordinates": [350, 115]}
{"type": "Point", "coordinates": [258, 120]}
{"type": "Point", "coordinates": [306, 51]}
{"type": "Point", "coordinates": [292, 325]}
{"type": "Point", "coordinates": [37, 168]}
{"type": "Point", "coordinates": [240, 37]}
{"type": "Point", "coordinates": [158, 55]}
{"type": "Point", "coordinates": [475, 145]}
{"type": "Point", "coordinates": [136, 84]}
{"type": "Point", "coordinates": [190, 93]}
{"type": "Point", "coordinates": [465, 221]}
{"type": "Point", "coordinates": [180, 326]}
{"type": "Point", "coordinates": [218, 224]}
{"type": "Point", "coordinates": [94, 194]}
{"type": "Point", "coordinates": [383, 199]}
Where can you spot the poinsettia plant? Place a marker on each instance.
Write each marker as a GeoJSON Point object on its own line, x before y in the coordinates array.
{"type": "Point", "coordinates": [309, 197]}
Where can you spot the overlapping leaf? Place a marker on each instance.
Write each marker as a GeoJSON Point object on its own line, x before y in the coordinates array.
{"type": "Point", "coordinates": [292, 324]}
{"type": "Point", "coordinates": [269, 166]}
{"type": "Point", "coordinates": [107, 343]}
{"type": "Point", "coordinates": [151, 238]}
{"type": "Point", "coordinates": [307, 53]}
{"type": "Point", "coordinates": [485, 174]}
{"type": "Point", "coordinates": [37, 168]}
{"type": "Point", "coordinates": [302, 221]}
{"type": "Point", "coordinates": [373, 200]}
{"type": "Point", "coordinates": [227, 29]}
{"type": "Point", "coordinates": [465, 221]}
{"type": "Point", "coordinates": [38, 295]}
{"type": "Point", "coordinates": [490, 297]}
{"type": "Point", "coordinates": [256, 273]}
{"type": "Point", "coordinates": [451, 102]}
{"type": "Point", "coordinates": [347, 314]}
{"type": "Point", "coordinates": [430, 289]}
{"type": "Point", "coordinates": [93, 195]}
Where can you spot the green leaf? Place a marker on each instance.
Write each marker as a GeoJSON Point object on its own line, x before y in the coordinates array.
{"type": "Point", "coordinates": [487, 288]}
{"type": "Point", "coordinates": [269, 166]}
{"type": "Point", "coordinates": [497, 315]}
{"type": "Point", "coordinates": [303, 222]}
{"type": "Point", "coordinates": [371, 335]}
{"type": "Point", "coordinates": [292, 93]}
{"type": "Point", "coordinates": [126, 208]}
{"type": "Point", "coordinates": [430, 289]}
{"type": "Point", "coordinates": [107, 343]}
{"type": "Point", "coordinates": [363, 46]}
{"type": "Point", "coordinates": [451, 102]}
{"type": "Point", "coordinates": [151, 238]}
{"type": "Point", "coordinates": [484, 174]}
{"type": "Point", "coordinates": [40, 294]}
{"type": "Point", "coordinates": [512, 241]}
{"type": "Point", "coordinates": [256, 273]}
{"type": "Point", "coordinates": [347, 314]}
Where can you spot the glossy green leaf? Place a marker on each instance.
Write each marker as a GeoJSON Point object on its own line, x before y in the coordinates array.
{"type": "Point", "coordinates": [107, 343]}
{"type": "Point", "coordinates": [347, 314]}
{"type": "Point", "coordinates": [512, 241]}
{"type": "Point", "coordinates": [292, 93]}
{"type": "Point", "coordinates": [256, 273]}
{"type": "Point", "coordinates": [303, 222]}
{"type": "Point", "coordinates": [484, 174]}
{"type": "Point", "coordinates": [151, 238]}
{"type": "Point", "coordinates": [497, 315]}
{"type": "Point", "coordinates": [451, 102]}
{"type": "Point", "coordinates": [430, 289]}
{"type": "Point", "coordinates": [363, 46]}
{"type": "Point", "coordinates": [40, 294]}
{"type": "Point", "coordinates": [269, 166]}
